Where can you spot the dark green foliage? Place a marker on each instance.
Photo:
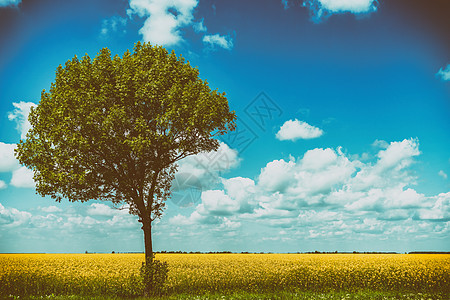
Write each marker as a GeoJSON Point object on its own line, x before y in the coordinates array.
{"type": "Point", "coordinates": [113, 129]}
{"type": "Point", "coordinates": [108, 126]}
{"type": "Point", "coordinates": [154, 275]}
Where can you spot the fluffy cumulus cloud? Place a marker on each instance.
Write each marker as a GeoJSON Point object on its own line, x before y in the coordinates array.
{"type": "Point", "coordinates": [323, 193]}
{"type": "Point", "coordinates": [11, 217]}
{"type": "Point", "coordinates": [97, 223]}
{"type": "Point", "coordinates": [353, 6]}
{"type": "Point", "coordinates": [164, 19]}
{"type": "Point", "coordinates": [398, 154]}
{"type": "Point", "coordinates": [323, 8]}
{"type": "Point", "coordinates": [8, 161]}
{"type": "Point", "coordinates": [218, 208]}
{"type": "Point", "coordinates": [20, 116]}
{"type": "Point", "coordinates": [102, 215]}
{"type": "Point", "coordinates": [439, 209]}
{"type": "Point", "coordinates": [444, 73]}
{"type": "Point", "coordinates": [294, 129]}
{"type": "Point", "coordinates": [242, 190]}
{"type": "Point", "coordinates": [217, 40]}
{"type": "Point", "coordinates": [217, 203]}
{"type": "Point", "coordinates": [327, 193]}
{"type": "Point", "coordinates": [22, 178]}
{"type": "Point", "coordinates": [277, 175]}
{"type": "Point", "coordinates": [203, 170]}
{"type": "Point", "coordinates": [9, 2]}
{"type": "Point", "coordinates": [319, 172]}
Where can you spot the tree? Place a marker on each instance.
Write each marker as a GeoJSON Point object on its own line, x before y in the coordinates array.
{"type": "Point", "coordinates": [113, 129]}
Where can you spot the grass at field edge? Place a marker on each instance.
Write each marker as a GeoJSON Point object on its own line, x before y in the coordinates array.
{"type": "Point", "coordinates": [362, 295]}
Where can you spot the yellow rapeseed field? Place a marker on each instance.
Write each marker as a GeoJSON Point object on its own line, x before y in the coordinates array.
{"type": "Point", "coordinates": [118, 274]}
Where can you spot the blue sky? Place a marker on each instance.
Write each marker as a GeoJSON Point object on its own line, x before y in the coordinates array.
{"type": "Point", "coordinates": [343, 131]}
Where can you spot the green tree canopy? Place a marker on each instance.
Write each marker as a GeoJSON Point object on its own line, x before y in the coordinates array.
{"type": "Point", "coordinates": [113, 129]}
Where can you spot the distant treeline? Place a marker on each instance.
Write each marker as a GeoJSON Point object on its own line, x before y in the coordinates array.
{"type": "Point", "coordinates": [315, 252]}
{"type": "Point", "coordinates": [352, 252]}
{"type": "Point", "coordinates": [428, 252]}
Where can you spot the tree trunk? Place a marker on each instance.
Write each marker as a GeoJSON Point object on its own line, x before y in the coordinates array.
{"type": "Point", "coordinates": [147, 227]}
{"type": "Point", "coordinates": [148, 272]}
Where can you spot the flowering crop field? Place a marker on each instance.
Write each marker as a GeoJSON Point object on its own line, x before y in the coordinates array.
{"type": "Point", "coordinates": [118, 274]}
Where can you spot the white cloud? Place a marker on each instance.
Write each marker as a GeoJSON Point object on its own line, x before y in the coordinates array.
{"type": "Point", "coordinates": [305, 181]}
{"type": "Point", "coordinates": [443, 174]}
{"type": "Point", "coordinates": [11, 217]}
{"type": "Point", "coordinates": [198, 224]}
{"type": "Point", "coordinates": [267, 210]}
{"type": "Point", "coordinates": [323, 193]}
{"type": "Point", "coordinates": [3, 185]}
{"type": "Point", "coordinates": [51, 209]}
{"type": "Point", "coordinates": [397, 215]}
{"type": "Point", "coordinates": [164, 19]}
{"type": "Point", "coordinates": [20, 116]}
{"type": "Point", "coordinates": [281, 187]}
{"type": "Point", "coordinates": [295, 129]}
{"type": "Point", "coordinates": [22, 178]}
{"type": "Point", "coordinates": [113, 25]}
{"type": "Point", "coordinates": [318, 158]}
{"type": "Point", "coordinates": [330, 177]}
{"type": "Point", "coordinates": [197, 173]}
{"type": "Point", "coordinates": [8, 161]}
{"type": "Point", "coordinates": [322, 8]}
{"type": "Point", "coordinates": [217, 203]}
{"type": "Point", "coordinates": [9, 2]}
{"type": "Point", "coordinates": [180, 220]}
{"type": "Point", "coordinates": [398, 154]}
{"type": "Point", "coordinates": [380, 144]}
{"type": "Point", "coordinates": [99, 209]}
{"type": "Point", "coordinates": [318, 177]}
{"type": "Point", "coordinates": [444, 73]}
{"type": "Point", "coordinates": [400, 197]}
{"type": "Point", "coordinates": [277, 175]}
{"type": "Point", "coordinates": [228, 224]}
{"type": "Point", "coordinates": [440, 209]}
{"type": "Point", "coordinates": [58, 225]}
{"type": "Point", "coordinates": [224, 159]}
{"type": "Point", "coordinates": [213, 40]}
{"type": "Point", "coordinates": [238, 187]}
{"type": "Point", "coordinates": [390, 168]}
{"type": "Point", "coordinates": [242, 190]}
{"type": "Point", "coordinates": [385, 199]}
{"type": "Point", "coordinates": [49, 221]}
{"type": "Point", "coordinates": [217, 209]}
{"type": "Point", "coordinates": [122, 222]}
{"type": "Point", "coordinates": [199, 26]}
{"type": "Point", "coordinates": [328, 194]}
{"type": "Point", "coordinates": [82, 221]}
{"type": "Point", "coordinates": [203, 170]}
{"type": "Point", "coordinates": [353, 6]}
